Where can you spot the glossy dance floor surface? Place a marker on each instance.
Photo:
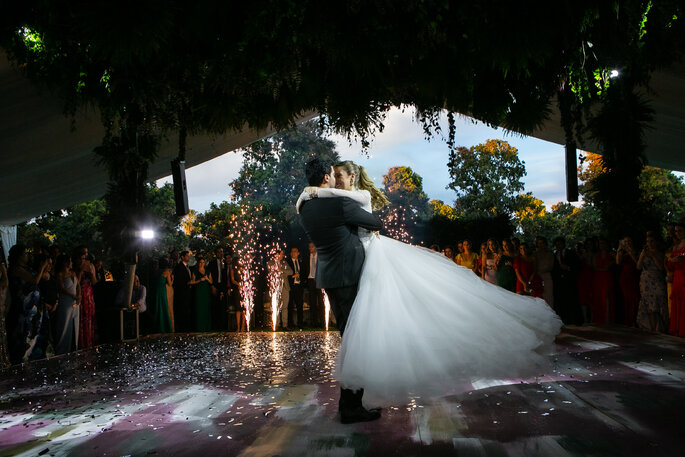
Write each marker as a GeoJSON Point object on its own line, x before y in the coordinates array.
{"type": "Point", "coordinates": [615, 392]}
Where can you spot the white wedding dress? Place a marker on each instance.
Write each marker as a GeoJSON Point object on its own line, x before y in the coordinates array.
{"type": "Point", "coordinates": [422, 325]}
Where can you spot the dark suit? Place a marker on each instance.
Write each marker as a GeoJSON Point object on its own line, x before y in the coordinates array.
{"type": "Point", "coordinates": [216, 269]}
{"type": "Point", "coordinates": [183, 315]}
{"type": "Point", "coordinates": [315, 299]}
{"type": "Point", "coordinates": [296, 291]}
{"type": "Point", "coordinates": [564, 275]}
{"type": "Point", "coordinates": [331, 224]}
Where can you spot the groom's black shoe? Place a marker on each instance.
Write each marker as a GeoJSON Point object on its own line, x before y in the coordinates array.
{"type": "Point", "coordinates": [359, 414]}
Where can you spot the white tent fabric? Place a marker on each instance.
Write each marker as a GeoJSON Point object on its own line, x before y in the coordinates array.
{"type": "Point", "coordinates": [8, 236]}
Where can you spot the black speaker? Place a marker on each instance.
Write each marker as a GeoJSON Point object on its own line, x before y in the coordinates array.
{"type": "Point", "coordinates": [178, 171]}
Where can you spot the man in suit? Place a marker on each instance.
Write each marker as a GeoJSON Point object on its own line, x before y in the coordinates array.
{"type": "Point", "coordinates": [227, 287]}
{"type": "Point", "coordinates": [216, 269]}
{"type": "Point", "coordinates": [183, 315]}
{"type": "Point", "coordinates": [296, 286]}
{"type": "Point", "coordinates": [331, 224]}
{"type": "Point", "coordinates": [315, 299]}
{"type": "Point", "coordinates": [564, 275]}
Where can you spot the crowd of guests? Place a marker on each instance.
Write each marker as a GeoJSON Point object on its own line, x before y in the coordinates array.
{"type": "Point", "coordinates": [595, 282]}
{"type": "Point", "coordinates": [48, 298]}
{"type": "Point", "coordinates": [46, 301]}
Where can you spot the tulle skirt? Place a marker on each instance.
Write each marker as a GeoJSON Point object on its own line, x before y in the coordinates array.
{"type": "Point", "coordinates": [422, 325]}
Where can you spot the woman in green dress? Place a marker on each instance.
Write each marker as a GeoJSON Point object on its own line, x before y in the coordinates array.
{"type": "Point", "coordinates": [161, 312]}
{"type": "Point", "coordinates": [506, 276]}
{"type": "Point", "coordinates": [202, 282]}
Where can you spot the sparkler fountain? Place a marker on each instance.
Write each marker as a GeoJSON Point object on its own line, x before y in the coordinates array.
{"type": "Point", "coordinates": [327, 308]}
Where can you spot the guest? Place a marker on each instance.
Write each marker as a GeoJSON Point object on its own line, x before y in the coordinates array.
{"type": "Point", "coordinates": [296, 286]}
{"type": "Point", "coordinates": [67, 313]}
{"type": "Point", "coordinates": [585, 279]}
{"type": "Point", "coordinates": [544, 265]}
{"type": "Point", "coordinates": [652, 312]}
{"type": "Point", "coordinates": [48, 299]}
{"type": "Point", "coordinates": [677, 265]}
{"type": "Point", "coordinates": [467, 258]}
{"type": "Point", "coordinates": [4, 285]}
{"type": "Point", "coordinates": [138, 296]}
{"type": "Point", "coordinates": [282, 271]}
{"type": "Point", "coordinates": [490, 262]}
{"type": "Point", "coordinates": [227, 299]}
{"type": "Point", "coordinates": [160, 311]}
{"type": "Point", "coordinates": [202, 282]}
{"type": "Point", "coordinates": [671, 243]}
{"type": "Point", "coordinates": [528, 282]}
{"type": "Point", "coordinates": [100, 274]}
{"type": "Point", "coordinates": [86, 272]}
{"type": "Point", "coordinates": [603, 289]}
{"type": "Point", "coordinates": [449, 252]}
{"type": "Point", "coordinates": [434, 248]}
{"type": "Point", "coordinates": [626, 259]}
{"type": "Point", "coordinates": [24, 298]}
{"type": "Point", "coordinates": [215, 268]}
{"type": "Point", "coordinates": [170, 291]}
{"type": "Point", "coordinates": [182, 294]}
{"type": "Point", "coordinates": [516, 245]}
{"type": "Point", "coordinates": [315, 297]}
{"type": "Point", "coordinates": [565, 277]}
{"type": "Point", "coordinates": [506, 276]}
{"type": "Point", "coordinates": [238, 301]}
{"type": "Point", "coordinates": [482, 253]}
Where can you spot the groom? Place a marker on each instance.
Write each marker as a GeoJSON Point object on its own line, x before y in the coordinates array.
{"type": "Point", "coordinates": [331, 224]}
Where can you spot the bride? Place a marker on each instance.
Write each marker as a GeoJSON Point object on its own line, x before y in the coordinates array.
{"type": "Point", "coordinates": [422, 325]}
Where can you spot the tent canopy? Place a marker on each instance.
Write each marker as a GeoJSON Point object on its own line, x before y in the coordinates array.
{"type": "Point", "coordinates": [48, 163]}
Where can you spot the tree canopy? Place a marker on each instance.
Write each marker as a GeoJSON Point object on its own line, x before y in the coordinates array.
{"type": "Point", "coordinates": [213, 66]}
{"type": "Point", "coordinates": [486, 177]}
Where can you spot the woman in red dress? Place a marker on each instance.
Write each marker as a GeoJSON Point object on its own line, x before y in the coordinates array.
{"type": "Point", "coordinates": [629, 279]}
{"type": "Point", "coordinates": [603, 286]}
{"type": "Point", "coordinates": [676, 263]}
{"type": "Point", "coordinates": [585, 278]}
{"type": "Point", "coordinates": [87, 279]}
{"type": "Point", "coordinates": [528, 282]}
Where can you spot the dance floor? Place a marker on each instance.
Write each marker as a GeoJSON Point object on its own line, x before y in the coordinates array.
{"type": "Point", "coordinates": [615, 392]}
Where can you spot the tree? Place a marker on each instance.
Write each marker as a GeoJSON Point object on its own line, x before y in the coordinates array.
{"type": "Point", "coordinates": [404, 187]}
{"type": "Point", "coordinates": [660, 198]}
{"type": "Point", "coordinates": [272, 175]}
{"type": "Point", "coordinates": [439, 208]}
{"type": "Point", "coordinates": [486, 177]}
{"type": "Point", "coordinates": [68, 229]}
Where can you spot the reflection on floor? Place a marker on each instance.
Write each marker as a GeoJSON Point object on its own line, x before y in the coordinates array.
{"type": "Point", "coordinates": [615, 392]}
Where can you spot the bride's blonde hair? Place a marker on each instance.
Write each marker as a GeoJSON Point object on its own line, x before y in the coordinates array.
{"type": "Point", "coordinates": [363, 182]}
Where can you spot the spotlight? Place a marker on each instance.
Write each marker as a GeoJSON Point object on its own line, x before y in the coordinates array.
{"type": "Point", "coordinates": [614, 74]}
{"type": "Point", "coordinates": [147, 234]}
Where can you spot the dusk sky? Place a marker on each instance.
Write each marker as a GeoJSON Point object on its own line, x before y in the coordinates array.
{"type": "Point", "coordinates": [402, 143]}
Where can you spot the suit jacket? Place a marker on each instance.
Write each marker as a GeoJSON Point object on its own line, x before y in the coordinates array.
{"type": "Point", "coordinates": [331, 224]}
{"type": "Point", "coordinates": [213, 269]}
{"type": "Point", "coordinates": [181, 278]}
{"type": "Point", "coordinates": [284, 270]}
{"type": "Point", "coordinates": [291, 279]}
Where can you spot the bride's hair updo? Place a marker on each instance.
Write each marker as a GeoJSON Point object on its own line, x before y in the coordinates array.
{"type": "Point", "coordinates": [363, 182]}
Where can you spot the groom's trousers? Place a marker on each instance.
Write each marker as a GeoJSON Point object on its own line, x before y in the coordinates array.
{"type": "Point", "coordinates": [342, 299]}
